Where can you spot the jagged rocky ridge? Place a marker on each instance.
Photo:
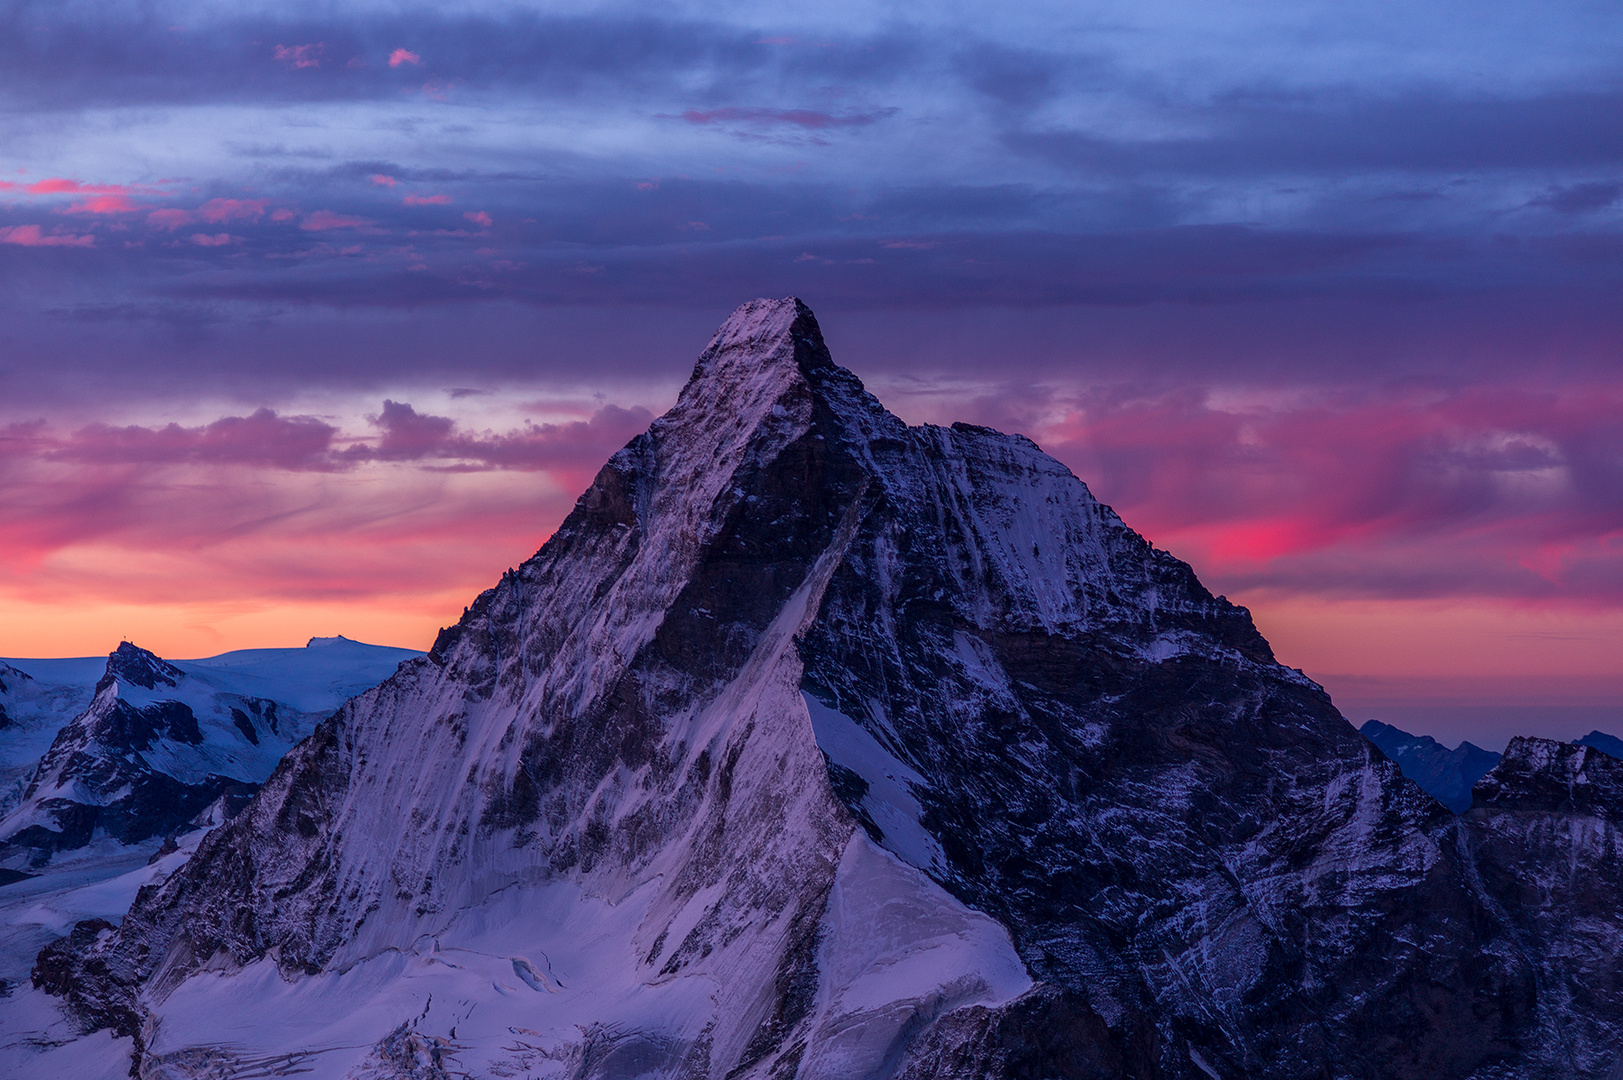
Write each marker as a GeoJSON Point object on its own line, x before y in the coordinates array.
{"type": "Point", "coordinates": [1449, 775]}
{"type": "Point", "coordinates": [1446, 775]}
{"type": "Point", "coordinates": [817, 745]}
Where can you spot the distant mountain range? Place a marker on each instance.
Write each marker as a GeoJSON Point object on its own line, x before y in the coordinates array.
{"type": "Point", "coordinates": [1449, 775]}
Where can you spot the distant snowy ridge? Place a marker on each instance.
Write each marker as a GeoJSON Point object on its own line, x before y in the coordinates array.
{"type": "Point", "coordinates": [1446, 775]}
{"type": "Point", "coordinates": [159, 741]}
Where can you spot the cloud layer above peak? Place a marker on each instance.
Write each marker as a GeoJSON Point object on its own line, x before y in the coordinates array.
{"type": "Point", "coordinates": [1324, 298]}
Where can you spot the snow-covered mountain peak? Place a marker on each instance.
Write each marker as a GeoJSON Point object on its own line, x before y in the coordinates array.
{"type": "Point", "coordinates": [135, 666]}
{"type": "Point", "coordinates": [765, 332]}
{"type": "Point", "coordinates": [814, 745]}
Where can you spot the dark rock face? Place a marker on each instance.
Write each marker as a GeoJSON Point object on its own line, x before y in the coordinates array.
{"type": "Point", "coordinates": [781, 622]}
{"type": "Point", "coordinates": [134, 665]}
{"type": "Point", "coordinates": [1545, 776]}
{"type": "Point", "coordinates": [1446, 775]}
{"type": "Point", "coordinates": [1544, 832]}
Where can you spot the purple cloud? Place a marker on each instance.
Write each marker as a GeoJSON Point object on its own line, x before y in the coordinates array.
{"type": "Point", "coordinates": [261, 439]}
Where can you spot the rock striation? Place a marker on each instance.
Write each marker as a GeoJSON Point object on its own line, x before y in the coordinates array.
{"type": "Point", "coordinates": [817, 745]}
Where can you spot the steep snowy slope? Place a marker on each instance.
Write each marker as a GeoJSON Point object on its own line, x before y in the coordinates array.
{"type": "Point", "coordinates": [816, 745]}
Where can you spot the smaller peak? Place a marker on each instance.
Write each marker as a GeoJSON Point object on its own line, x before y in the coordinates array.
{"type": "Point", "coordinates": [1551, 776]}
{"type": "Point", "coordinates": [130, 663]}
{"type": "Point", "coordinates": [1606, 744]}
{"type": "Point", "coordinates": [322, 642]}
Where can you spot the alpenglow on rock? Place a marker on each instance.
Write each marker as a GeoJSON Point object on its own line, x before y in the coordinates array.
{"type": "Point", "coordinates": [816, 745]}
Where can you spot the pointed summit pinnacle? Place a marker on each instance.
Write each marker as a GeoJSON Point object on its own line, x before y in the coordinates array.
{"type": "Point", "coordinates": [134, 665]}
{"type": "Point", "coordinates": [761, 334]}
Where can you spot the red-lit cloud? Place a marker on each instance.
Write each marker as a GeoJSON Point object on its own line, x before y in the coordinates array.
{"type": "Point", "coordinates": [287, 506]}
{"type": "Point", "coordinates": [404, 56]}
{"type": "Point", "coordinates": [103, 204]}
{"type": "Point", "coordinates": [63, 186]}
{"type": "Point", "coordinates": [322, 220]}
{"type": "Point", "coordinates": [299, 56]}
{"type": "Point", "coordinates": [33, 236]}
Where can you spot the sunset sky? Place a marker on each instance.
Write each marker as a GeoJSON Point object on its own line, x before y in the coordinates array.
{"type": "Point", "coordinates": [315, 324]}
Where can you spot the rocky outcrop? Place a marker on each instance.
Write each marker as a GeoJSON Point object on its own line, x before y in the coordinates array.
{"type": "Point", "coordinates": [1544, 835]}
{"type": "Point", "coordinates": [817, 745]}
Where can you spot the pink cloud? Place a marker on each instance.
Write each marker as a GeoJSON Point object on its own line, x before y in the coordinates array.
{"type": "Point", "coordinates": [32, 236]}
{"type": "Point", "coordinates": [171, 219]}
{"type": "Point", "coordinates": [104, 204]}
{"type": "Point", "coordinates": [264, 438]}
{"type": "Point", "coordinates": [327, 219]}
{"type": "Point", "coordinates": [403, 56]}
{"type": "Point", "coordinates": [426, 200]}
{"type": "Point", "coordinates": [573, 451]}
{"type": "Point", "coordinates": [263, 509]}
{"type": "Point", "coordinates": [62, 186]}
{"type": "Point", "coordinates": [383, 181]}
{"type": "Point", "coordinates": [284, 214]}
{"type": "Point", "coordinates": [479, 217]}
{"type": "Point", "coordinates": [408, 434]}
{"type": "Point", "coordinates": [1486, 492]}
{"type": "Point", "coordinates": [214, 240]}
{"type": "Point", "coordinates": [300, 56]}
{"type": "Point", "coordinates": [219, 210]}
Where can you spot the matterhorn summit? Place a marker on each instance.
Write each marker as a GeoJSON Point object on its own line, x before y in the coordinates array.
{"type": "Point", "coordinates": [816, 745]}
